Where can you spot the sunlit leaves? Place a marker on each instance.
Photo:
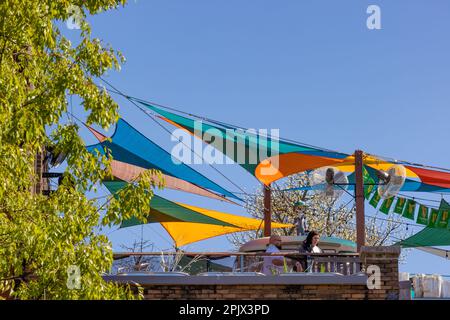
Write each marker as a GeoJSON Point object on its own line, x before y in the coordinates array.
{"type": "Point", "coordinates": [129, 202]}
{"type": "Point", "coordinates": [41, 237]}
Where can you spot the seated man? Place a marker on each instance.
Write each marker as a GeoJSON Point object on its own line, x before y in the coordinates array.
{"type": "Point", "coordinates": [273, 265]}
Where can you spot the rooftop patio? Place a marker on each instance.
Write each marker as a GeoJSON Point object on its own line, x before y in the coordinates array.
{"type": "Point", "coordinates": [332, 276]}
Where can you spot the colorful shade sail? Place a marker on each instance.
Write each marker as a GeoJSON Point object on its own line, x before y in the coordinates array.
{"type": "Point", "coordinates": [290, 158]}
{"type": "Point", "coordinates": [427, 237]}
{"type": "Point", "coordinates": [187, 224]}
{"type": "Point", "coordinates": [436, 233]}
{"type": "Point", "coordinates": [268, 158]}
{"type": "Point", "coordinates": [133, 152]}
{"type": "Point", "coordinates": [128, 172]}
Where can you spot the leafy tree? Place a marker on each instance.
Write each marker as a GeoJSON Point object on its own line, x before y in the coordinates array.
{"type": "Point", "coordinates": [327, 215]}
{"type": "Point", "coordinates": [42, 237]}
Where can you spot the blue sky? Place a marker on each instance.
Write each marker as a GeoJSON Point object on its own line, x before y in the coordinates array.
{"type": "Point", "coordinates": [310, 68]}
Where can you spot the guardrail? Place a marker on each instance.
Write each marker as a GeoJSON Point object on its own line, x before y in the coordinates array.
{"type": "Point", "coordinates": [345, 264]}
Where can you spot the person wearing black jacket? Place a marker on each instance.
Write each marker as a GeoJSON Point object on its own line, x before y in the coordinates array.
{"type": "Point", "coordinates": [309, 245]}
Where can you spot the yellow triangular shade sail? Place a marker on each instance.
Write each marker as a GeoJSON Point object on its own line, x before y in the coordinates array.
{"type": "Point", "coordinates": [184, 233]}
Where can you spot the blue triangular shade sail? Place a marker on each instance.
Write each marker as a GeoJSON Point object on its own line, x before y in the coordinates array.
{"type": "Point", "coordinates": [130, 146]}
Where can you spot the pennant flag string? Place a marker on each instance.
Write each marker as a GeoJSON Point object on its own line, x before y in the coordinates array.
{"type": "Point", "coordinates": [417, 198]}
{"type": "Point", "coordinates": [436, 218]}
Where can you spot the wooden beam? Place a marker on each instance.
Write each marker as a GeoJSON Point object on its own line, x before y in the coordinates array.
{"type": "Point", "coordinates": [267, 211]}
{"type": "Point", "coordinates": [359, 199]}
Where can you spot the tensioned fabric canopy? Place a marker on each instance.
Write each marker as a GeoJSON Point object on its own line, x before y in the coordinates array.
{"type": "Point", "coordinates": [292, 158]}
{"type": "Point", "coordinates": [427, 237]}
{"type": "Point", "coordinates": [187, 224]}
{"type": "Point", "coordinates": [253, 151]}
{"type": "Point", "coordinates": [134, 153]}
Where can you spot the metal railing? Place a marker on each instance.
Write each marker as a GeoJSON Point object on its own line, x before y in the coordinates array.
{"type": "Point", "coordinates": [342, 263]}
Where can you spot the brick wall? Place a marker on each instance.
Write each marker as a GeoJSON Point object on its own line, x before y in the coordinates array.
{"type": "Point", "coordinates": [39, 167]}
{"type": "Point", "coordinates": [255, 292]}
{"type": "Point", "coordinates": [386, 258]}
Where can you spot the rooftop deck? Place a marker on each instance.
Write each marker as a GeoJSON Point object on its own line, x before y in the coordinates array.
{"type": "Point", "coordinates": [331, 276]}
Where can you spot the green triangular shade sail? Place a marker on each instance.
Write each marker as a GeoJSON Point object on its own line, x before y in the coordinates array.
{"type": "Point", "coordinates": [186, 224]}
{"type": "Point", "coordinates": [431, 236]}
{"type": "Point", "coordinates": [427, 237]}
{"type": "Point", "coordinates": [164, 210]}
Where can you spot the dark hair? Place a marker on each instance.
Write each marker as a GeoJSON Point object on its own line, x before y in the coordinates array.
{"type": "Point", "coordinates": [308, 241]}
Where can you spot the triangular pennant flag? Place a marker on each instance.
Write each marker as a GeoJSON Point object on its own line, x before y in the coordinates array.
{"type": "Point", "coordinates": [375, 199]}
{"type": "Point", "coordinates": [386, 205]}
{"type": "Point", "coordinates": [433, 218]}
{"type": "Point", "coordinates": [422, 216]}
{"type": "Point", "coordinates": [369, 183]}
{"type": "Point", "coordinates": [444, 214]}
{"type": "Point", "coordinates": [368, 190]}
{"type": "Point", "coordinates": [399, 205]}
{"type": "Point", "coordinates": [410, 209]}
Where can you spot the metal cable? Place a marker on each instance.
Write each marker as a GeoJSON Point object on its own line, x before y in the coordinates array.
{"type": "Point", "coordinates": [168, 131]}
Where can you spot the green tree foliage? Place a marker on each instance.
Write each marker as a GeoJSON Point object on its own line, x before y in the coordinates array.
{"type": "Point", "coordinates": [41, 237]}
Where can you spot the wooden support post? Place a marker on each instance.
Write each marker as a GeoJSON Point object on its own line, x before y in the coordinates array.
{"type": "Point", "coordinates": [359, 199]}
{"type": "Point", "coordinates": [267, 211]}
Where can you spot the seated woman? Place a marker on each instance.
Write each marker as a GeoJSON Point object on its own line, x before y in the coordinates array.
{"type": "Point", "coordinates": [309, 245]}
